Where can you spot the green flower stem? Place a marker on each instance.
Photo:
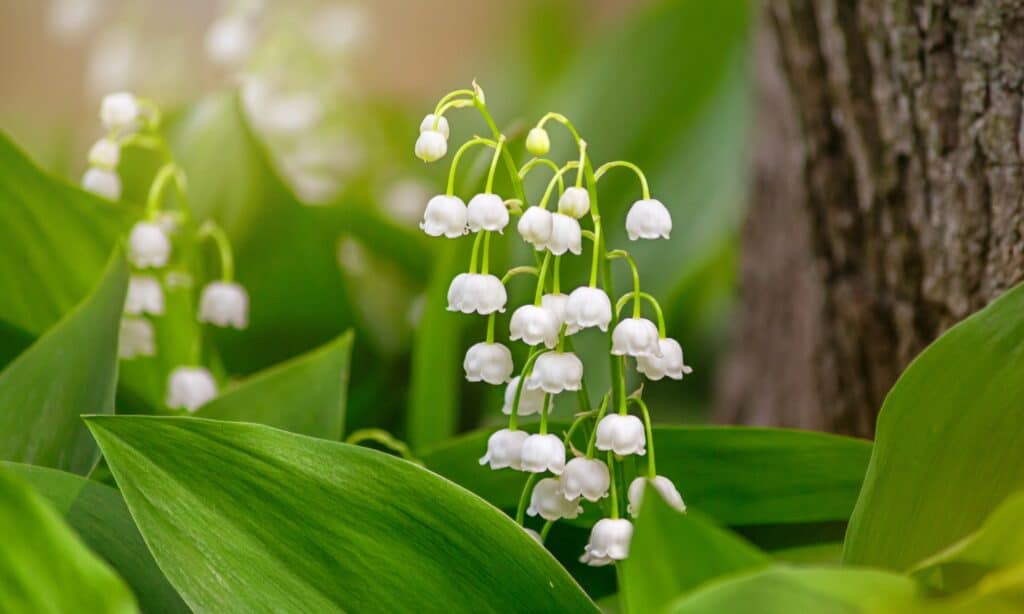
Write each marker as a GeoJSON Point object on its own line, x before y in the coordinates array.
{"type": "Point", "coordinates": [386, 439]}
{"type": "Point", "coordinates": [595, 262]}
{"type": "Point", "coordinates": [534, 162]}
{"type": "Point", "coordinates": [580, 419]}
{"type": "Point", "coordinates": [484, 268]}
{"type": "Point", "coordinates": [651, 470]}
{"type": "Point", "coordinates": [544, 414]}
{"type": "Point", "coordinates": [476, 140]}
{"type": "Point", "coordinates": [148, 143]}
{"type": "Point", "coordinates": [211, 230]}
{"type": "Point", "coordinates": [527, 489]}
{"type": "Point", "coordinates": [473, 255]}
{"type": "Point", "coordinates": [527, 370]}
{"type": "Point", "coordinates": [584, 397]}
{"type": "Point", "coordinates": [593, 434]}
{"type": "Point", "coordinates": [654, 303]}
{"type": "Point", "coordinates": [451, 104]}
{"type": "Point", "coordinates": [498, 148]}
{"type": "Point", "coordinates": [556, 282]}
{"type": "Point", "coordinates": [583, 155]}
{"type": "Point", "coordinates": [519, 270]}
{"type": "Point", "coordinates": [490, 327]}
{"type": "Point", "coordinates": [558, 117]}
{"type": "Point", "coordinates": [168, 174]}
{"type": "Point", "coordinates": [154, 117]}
{"type": "Point", "coordinates": [620, 362]}
{"type": "Point", "coordinates": [517, 185]}
{"type": "Point", "coordinates": [613, 492]}
{"type": "Point", "coordinates": [557, 178]}
{"type": "Point", "coordinates": [623, 164]}
{"type": "Point", "coordinates": [448, 97]}
{"type": "Point", "coordinates": [541, 278]}
{"type": "Point", "coordinates": [545, 530]}
{"type": "Point", "coordinates": [620, 253]}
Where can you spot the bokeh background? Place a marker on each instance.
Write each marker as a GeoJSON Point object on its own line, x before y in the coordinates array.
{"type": "Point", "coordinates": [295, 123]}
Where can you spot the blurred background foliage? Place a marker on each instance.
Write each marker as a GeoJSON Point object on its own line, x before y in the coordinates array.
{"type": "Point", "coordinates": [323, 212]}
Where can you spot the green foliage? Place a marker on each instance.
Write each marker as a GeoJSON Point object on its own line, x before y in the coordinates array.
{"type": "Point", "coordinates": [737, 475]}
{"type": "Point", "coordinates": [98, 515]}
{"type": "Point", "coordinates": [949, 445]}
{"type": "Point", "coordinates": [43, 565]}
{"type": "Point", "coordinates": [243, 517]}
{"type": "Point", "coordinates": [673, 553]}
{"type": "Point", "coordinates": [70, 369]}
{"type": "Point", "coordinates": [304, 395]}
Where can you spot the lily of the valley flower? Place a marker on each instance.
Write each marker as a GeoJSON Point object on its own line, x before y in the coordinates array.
{"type": "Point", "coordinates": [530, 401]}
{"type": "Point", "coordinates": [137, 338]}
{"type": "Point", "coordinates": [504, 449]}
{"type": "Point", "coordinates": [190, 388]}
{"type": "Point", "coordinates": [229, 40]}
{"type": "Point", "coordinates": [119, 111]}
{"type": "Point", "coordinates": [587, 307]}
{"type": "Point", "coordinates": [105, 153]}
{"type": "Point", "coordinates": [487, 212]}
{"type": "Point", "coordinates": [555, 303]}
{"type": "Point", "coordinates": [550, 503]}
{"type": "Point", "coordinates": [669, 364]}
{"type": "Point", "coordinates": [488, 362]}
{"type": "Point", "coordinates": [574, 202]}
{"type": "Point", "coordinates": [145, 295]}
{"type": "Point", "coordinates": [428, 124]}
{"type": "Point", "coordinates": [586, 477]}
{"type": "Point", "coordinates": [648, 219]}
{"type": "Point", "coordinates": [663, 485]}
{"type": "Point", "coordinates": [556, 371]}
{"type": "Point", "coordinates": [622, 435]}
{"type": "Point", "coordinates": [148, 246]}
{"type": "Point", "coordinates": [476, 293]}
{"type": "Point", "coordinates": [535, 227]}
{"type": "Point", "coordinates": [566, 235]}
{"type": "Point", "coordinates": [445, 215]}
{"type": "Point", "coordinates": [543, 453]}
{"type": "Point", "coordinates": [224, 304]}
{"type": "Point", "coordinates": [609, 542]}
{"type": "Point", "coordinates": [431, 146]}
{"type": "Point", "coordinates": [534, 324]}
{"type": "Point", "coordinates": [102, 182]}
{"type": "Point", "coordinates": [635, 337]}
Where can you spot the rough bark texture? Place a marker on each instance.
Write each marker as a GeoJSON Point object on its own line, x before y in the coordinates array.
{"type": "Point", "coordinates": [888, 200]}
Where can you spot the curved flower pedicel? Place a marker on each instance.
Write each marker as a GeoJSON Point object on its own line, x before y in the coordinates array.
{"type": "Point", "coordinates": [582, 470]}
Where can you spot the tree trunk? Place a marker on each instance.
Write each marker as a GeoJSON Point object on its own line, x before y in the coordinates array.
{"type": "Point", "coordinates": [888, 198]}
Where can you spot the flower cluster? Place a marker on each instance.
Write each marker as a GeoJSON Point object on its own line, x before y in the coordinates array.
{"type": "Point", "coordinates": [549, 323]}
{"type": "Point", "coordinates": [135, 122]}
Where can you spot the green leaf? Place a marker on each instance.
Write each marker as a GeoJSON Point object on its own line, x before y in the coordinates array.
{"type": "Point", "coordinates": [673, 553]}
{"type": "Point", "coordinates": [43, 565]}
{"type": "Point", "coordinates": [999, 543]}
{"type": "Point", "coordinates": [70, 370]}
{"type": "Point", "coordinates": [785, 590]}
{"type": "Point", "coordinates": [433, 413]}
{"type": "Point", "coordinates": [949, 447]}
{"type": "Point", "coordinates": [56, 241]}
{"type": "Point", "coordinates": [99, 516]}
{"type": "Point", "coordinates": [243, 517]}
{"type": "Point", "coordinates": [737, 475]}
{"type": "Point", "coordinates": [305, 395]}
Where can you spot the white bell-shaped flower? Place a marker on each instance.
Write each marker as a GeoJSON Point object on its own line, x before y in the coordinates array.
{"type": "Point", "coordinates": [587, 307]}
{"type": "Point", "coordinates": [535, 227]}
{"type": "Point", "coordinates": [669, 364]}
{"type": "Point", "coordinates": [556, 371]}
{"type": "Point", "coordinates": [229, 40]}
{"type": "Point", "coordinates": [585, 477]}
{"type": "Point", "coordinates": [609, 542]}
{"type": "Point", "coordinates": [102, 182]}
{"type": "Point", "coordinates": [535, 535]}
{"type": "Point", "coordinates": [543, 453]}
{"type": "Point", "coordinates": [137, 338]}
{"type": "Point", "coordinates": [534, 324]}
{"type": "Point", "coordinates": [431, 146]}
{"type": "Point", "coordinates": [550, 503]}
{"type": "Point", "coordinates": [105, 153]}
{"type": "Point", "coordinates": [566, 235]}
{"type": "Point", "coordinates": [487, 212]}
{"type": "Point", "coordinates": [663, 485]}
{"type": "Point", "coordinates": [635, 337]}
{"type": "Point", "coordinates": [444, 215]}
{"type": "Point", "coordinates": [148, 246]}
{"type": "Point", "coordinates": [538, 142]}
{"type": "Point", "coordinates": [476, 292]}
{"type": "Point", "coordinates": [574, 202]}
{"type": "Point", "coordinates": [555, 303]}
{"type": "Point", "coordinates": [190, 388]}
{"type": "Point", "coordinates": [428, 124]}
{"type": "Point", "coordinates": [488, 362]}
{"type": "Point", "coordinates": [145, 295]}
{"type": "Point", "coordinates": [648, 219]}
{"type": "Point", "coordinates": [622, 435]}
{"type": "Point", "coordinates": [224, 303]}
{"type": "Point", "coordinates": [530, 401]}
{"type": "Point", "coordinates": [505, 449]}
{"type": "Point", "coordinates": [119, 110]}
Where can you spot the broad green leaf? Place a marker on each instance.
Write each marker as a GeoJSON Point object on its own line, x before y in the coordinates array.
{"type": "Point", "coordinates": [826, 553]}
{"type": "Point", "coordinates": [737, 475]}
{"type": "Point", "coordinates": [243, 517]}
{"type": "Point", "coordinates": [305, 395]}
{"type": "Point", "coordinates": [70, 370]}
{"type": "Point", "coordinates": [56, 240]}
{"type": "Point", "coordinates": [949, 447]}
{"type": "Point", "coordinates": [43, 565]}
{"type": "Point", "coordinates": [787, 590]}
{"type": "Point", "coordinates": [99, 516]}
{"type": "Point", "coordinates": [673, 553]}
{"type": "Point", "coordinates": [999, 543]}
{"type": "Point", "coordinates": [437, 358]}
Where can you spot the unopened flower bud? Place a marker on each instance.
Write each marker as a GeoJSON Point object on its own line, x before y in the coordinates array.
{"type": "Point", "coordinates": [444, 215]}
{"type": "Point", "coordinates": [224, 304]}
{"type": "Point", "coordinates": [504, 449]}
{"type": "Point", "coordinates": [538, 142]}
{"type": "Point", "coordinates": [648, 219]}
{"type": "Point", "coordinates": [488, 362]}
{"type": "Point", "coordinates": [543, 453]}
{"type": "Point", "coordinates": [119, 110]}
{"type": "Point", "coordinates": [622, 435]}
{"type": "Point", "coordinates": [428, 124]}
{"type": "Point", "coordinates": [663, 485]}
{"type": "Point", "coordinates": [431, 146]}
{"type": "Point", "coordinates": [574, 202]}
{"type": "Point", "coordinates": [190, 388]}
{"type": "Point", "coordinates": [548, 501]}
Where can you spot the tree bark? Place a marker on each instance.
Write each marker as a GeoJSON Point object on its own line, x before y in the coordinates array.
{"type": "Point", "coordinates": [888, 199]}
